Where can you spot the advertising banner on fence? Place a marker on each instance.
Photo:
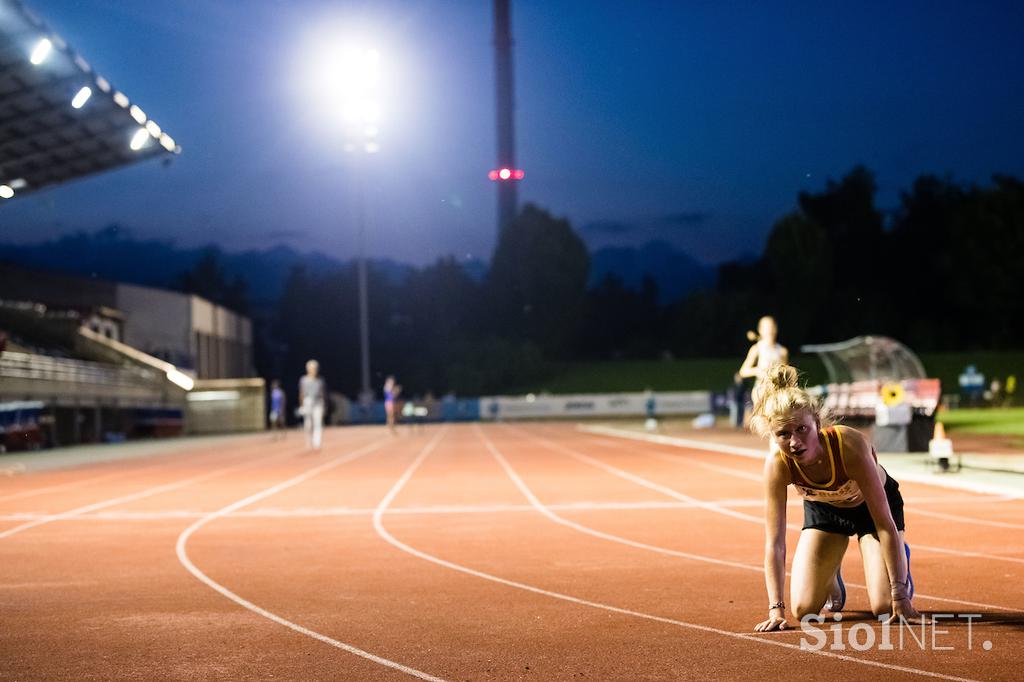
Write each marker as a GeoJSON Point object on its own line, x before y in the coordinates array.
{"type": "Point", "coordinates": [594, 405]}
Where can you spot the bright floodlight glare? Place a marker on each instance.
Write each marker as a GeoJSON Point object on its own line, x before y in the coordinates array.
{"type": "Point", "coordinates": [167, 142]}
{"type": "Point", "coordinates": [138, 114]}
{"type": "Point", "coordinates": [139, 139]}
{"type": "Point", "coordinates": [41, 51]}
{"type": "Point", "coordinates": [343, 80]}
{"type": "Point", "coordinates": [81, 98]}
{"type": "Point", "coordinates": [371, 111]}
{"type": "Point", "coordinates": [505, 174]}
{"type": "Point", "coordinates": [102, 83]}
{"type": "Point", "coordinates": [121, 100]}
{"type": "Point", "coordinates": [153, 129]}
{"type": "Point", "coordinates": [6, 192]}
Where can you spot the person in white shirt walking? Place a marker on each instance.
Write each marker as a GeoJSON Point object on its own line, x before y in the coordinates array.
{"type": "Point", "coordinates": [312, 394]}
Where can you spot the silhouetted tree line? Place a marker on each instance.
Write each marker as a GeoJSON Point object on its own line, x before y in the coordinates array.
{"type": "Point", "coordinates": [439, 329]}
{"type": "Point", "coordinates": [941, 272]}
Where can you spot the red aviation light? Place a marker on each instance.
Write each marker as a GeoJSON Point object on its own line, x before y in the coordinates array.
{"type": "Point", "coordinates": [506, 174]}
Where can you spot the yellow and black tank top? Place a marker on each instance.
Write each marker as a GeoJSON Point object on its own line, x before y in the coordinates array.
{"type": "Point", "coordinates": [840, 488]}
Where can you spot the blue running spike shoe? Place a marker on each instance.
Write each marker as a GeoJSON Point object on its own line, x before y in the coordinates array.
{"type": "Point", "coordinates": [910, 578]}
{"type": "Point", "coordinates": [837, 600]}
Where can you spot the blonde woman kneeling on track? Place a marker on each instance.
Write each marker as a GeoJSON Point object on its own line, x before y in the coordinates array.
{"type": "Point", "coordinates": [846, 492]}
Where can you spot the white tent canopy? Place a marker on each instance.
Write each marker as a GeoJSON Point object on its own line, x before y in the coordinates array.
{"type": "Point", "coordinates": [867, 358]}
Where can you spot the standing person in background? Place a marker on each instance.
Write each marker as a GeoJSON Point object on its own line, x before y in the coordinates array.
{"type": "Point", "coordinates": [765, 352]}
{"type": "Point", "coordinates": [391, 391]}
{"type": "Point", "coordinates": [312, 394]}
{"type": "Point", "coordinates": [277, 406]}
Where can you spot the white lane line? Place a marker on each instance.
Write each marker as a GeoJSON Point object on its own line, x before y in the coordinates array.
{"type": "Point", "coordinates": [61, 486]}
{"type": "Point", "coordinates": [149, 492]}
{"type": "Point", "coordinates": [166, 459]}
{"type": "Point", "coordinates": [546, 511]}
{"type": "Point", "coordinates": [384, 533]}
{"type": "Point", "coordinates": [972, 499]}
{"type": "Point", "coordinates": [916, 545]}
{"type": "Point", "coordinates": [272, 512]}
{"type": "Point", "coordinates": [633, 478]}
{"type": "Point", "coordinates": [750, 453]}
{"type": "Point", "coordinates": [955, 484]}
{"type": "Point", "coordinates": [182, 552]}
{"type": "Point", "coordinates": [967, 519]}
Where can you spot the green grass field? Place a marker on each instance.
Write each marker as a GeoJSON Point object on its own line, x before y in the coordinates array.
{"type": "Point", "coordinates": [995, 421]}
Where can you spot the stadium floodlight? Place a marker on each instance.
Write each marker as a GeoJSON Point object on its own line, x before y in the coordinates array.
{"type": "Point", "coordinates": [139, 139]}
{"type": "Point", "coordinates": [167, 142]}
{"type": "Point", "coordinates": [121, 100]}
{"type": "Point", "coordinates": [81, 98]}
{"type": "Point", "coordinates": [41, 51]}
{"type": "Point", "coordinates": [138, 114]}
{"type": "Point", "coordinates": [6, 192]}
{"type": "Point", "coordinates": [153, 129]}
{"type": "Point", "coordinates": [343, 85]}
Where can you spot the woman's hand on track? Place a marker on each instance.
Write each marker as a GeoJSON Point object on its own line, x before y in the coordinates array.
{"type": "Point", "coordinates": [904, 608]}
{"type": "Point", "coordinates": [773, 623]}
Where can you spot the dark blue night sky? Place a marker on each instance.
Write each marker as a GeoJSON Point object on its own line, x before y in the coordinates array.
{"type": "Point", "coordinates": [693, 122]}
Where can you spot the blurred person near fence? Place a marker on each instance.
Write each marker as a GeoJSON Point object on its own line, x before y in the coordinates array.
{"type": "Point", "coordinates": [277, 407]}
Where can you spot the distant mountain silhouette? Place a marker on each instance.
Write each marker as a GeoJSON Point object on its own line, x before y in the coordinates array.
{"type": "Point", "coordinates": [112, 254]}
{"type": "Point", "coordinates": [676, 273]}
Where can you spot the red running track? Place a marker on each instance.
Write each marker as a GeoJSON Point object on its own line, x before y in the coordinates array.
{"type": "Point", "coordinates": [463, 553]}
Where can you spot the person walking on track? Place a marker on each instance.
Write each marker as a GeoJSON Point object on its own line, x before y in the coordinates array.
{"type": "Point", "coordinates": [312, 394]}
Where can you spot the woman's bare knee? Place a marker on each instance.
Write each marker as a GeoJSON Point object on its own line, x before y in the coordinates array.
{"type": "Point", "coordinates": [805, 608]}
{"type": "Point", "coordinates": [881, 608]}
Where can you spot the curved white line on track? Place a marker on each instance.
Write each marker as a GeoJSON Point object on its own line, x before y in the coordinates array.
{"type": "Point", "coordinates": [710, 506]}
{"type": "Point", "coordinates": [131, 497]}
{"type": "Point", "coordinates": [383, 532]}
{"type": "Point", "coordinates": [546, 511]}
{"type": "Point", "coordinates": [182, 552]}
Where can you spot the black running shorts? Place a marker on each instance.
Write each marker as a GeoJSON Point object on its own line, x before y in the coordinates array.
{"type": "Point", "coordinates": [853, 520]}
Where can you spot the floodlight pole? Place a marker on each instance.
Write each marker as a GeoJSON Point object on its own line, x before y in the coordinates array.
{"type": "Point", "coordinates": [361, 165]}
{"type": "Point", "coordinates": [363, 284]}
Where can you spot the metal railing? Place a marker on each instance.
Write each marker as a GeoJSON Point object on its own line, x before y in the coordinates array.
{"type": "Point", "coordinates": [14, 365]}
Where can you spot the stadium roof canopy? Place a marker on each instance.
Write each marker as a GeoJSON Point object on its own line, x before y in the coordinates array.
{"type": "Point", "coordinates": [59, 119]}
{"type": "Point", "coordinates": [868, 357]}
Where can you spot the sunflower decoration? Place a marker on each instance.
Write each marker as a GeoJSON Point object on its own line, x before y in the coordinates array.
{"type": "Point", "coordinates": [893, 394]}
